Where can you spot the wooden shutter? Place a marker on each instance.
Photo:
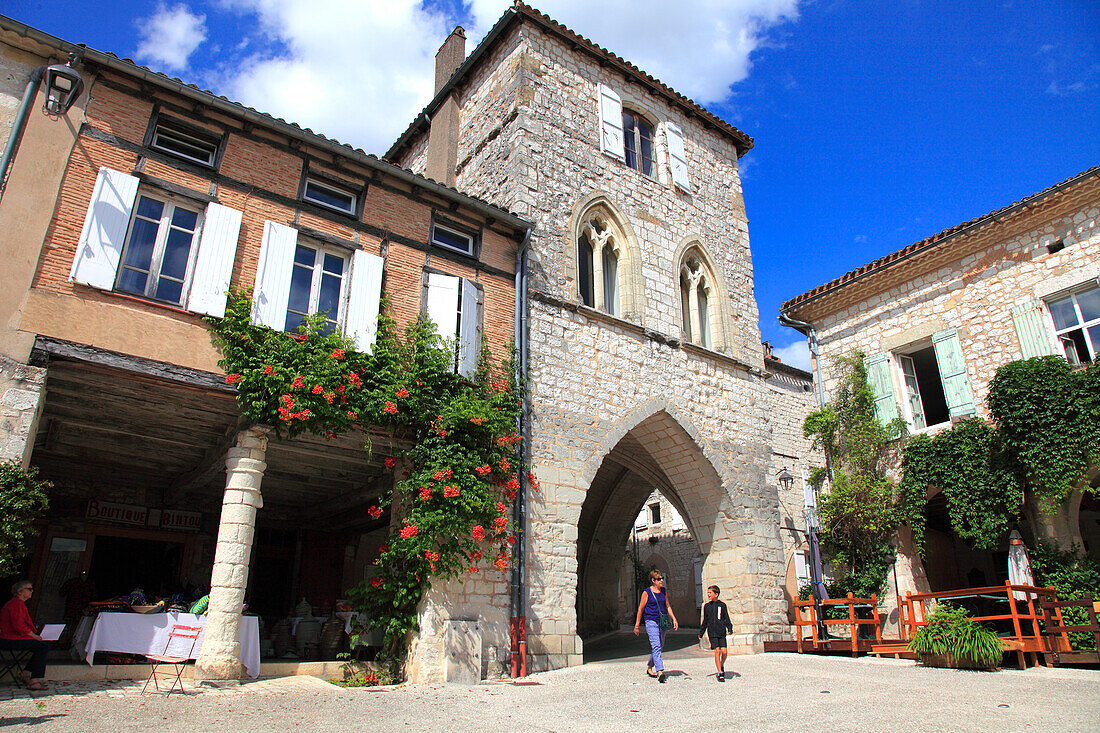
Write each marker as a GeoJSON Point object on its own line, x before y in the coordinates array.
{"type": "Point", "coordinates": [221, 228]}
{"type": "Point", "coordinates": [364, 295]}
{"type": "Point", "coordinates": [677, 157]}
{"type": "Point", "coordinates": [469, 334]}
{"type": "Point", "coordinates": [1031, 331]}
{"type": "Point", "coordinates": [956, 386]}
{"type": "Point", "coordinates": [882, 386]}
{"type": "Point", "coordinates": [611, 123]}
{"type": "Point", "coordinates": [99, 248]}
{"type": "Point", "coordinates": [442, 304]}
{"type": "Point", "coordinates": [272, 293]}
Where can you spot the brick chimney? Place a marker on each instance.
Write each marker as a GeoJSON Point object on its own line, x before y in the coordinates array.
{"type": "Point", "coordinates": [443, 135]}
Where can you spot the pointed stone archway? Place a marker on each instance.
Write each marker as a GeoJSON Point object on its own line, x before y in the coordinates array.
{"type": "Point", "coordinates": [657, 449]}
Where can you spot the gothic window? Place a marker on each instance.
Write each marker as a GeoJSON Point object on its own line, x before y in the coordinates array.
{"type": "Point", "coordinates": [696, 294]}
{"type": "Point", "coordinates": [598, 264]}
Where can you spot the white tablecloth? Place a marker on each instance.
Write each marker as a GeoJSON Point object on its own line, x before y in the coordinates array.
{"type": "Point", "coordinates": [147, 633]}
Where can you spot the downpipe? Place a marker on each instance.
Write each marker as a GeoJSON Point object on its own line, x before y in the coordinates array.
{"type": "Point", "coordinates": [518, 623]}
{"type": "Point", "coordinates": [19, 124]}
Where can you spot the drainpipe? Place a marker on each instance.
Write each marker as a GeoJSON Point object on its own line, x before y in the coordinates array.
{"type": "Point", "coordinates": [807, 330]}
{"type": "Point", "coordinates": [29, 95]}
{"type": "Point", "coordinates": [518, 624]}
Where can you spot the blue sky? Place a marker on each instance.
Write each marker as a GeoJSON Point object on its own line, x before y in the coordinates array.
{"type": "Point", "coordinates": [876, 124]}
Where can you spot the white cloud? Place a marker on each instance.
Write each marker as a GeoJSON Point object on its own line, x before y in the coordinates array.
{"type": "Point", "coordinates": [355, 70]}
{"type": "Point", "coordinates": [170, 36]}
{"type": "Point", "coordinates": [361, 70]}
{"type": "Point", "coordinates": [797, 354]}
{"type": "Point", "coordinates": [697, 47]}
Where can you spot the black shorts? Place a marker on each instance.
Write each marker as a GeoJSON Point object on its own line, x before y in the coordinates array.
{"type": "Point", "coordinates": [717, 641]}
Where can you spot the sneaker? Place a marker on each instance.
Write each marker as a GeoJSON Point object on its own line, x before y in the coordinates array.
{"type": "Point", "coordinates": [721, 676]}
{"type": "Point", "coordinates": [661, 677]}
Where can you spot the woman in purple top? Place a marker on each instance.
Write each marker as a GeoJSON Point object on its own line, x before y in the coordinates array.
{"type": "Point", "coordinates": [653, 604]}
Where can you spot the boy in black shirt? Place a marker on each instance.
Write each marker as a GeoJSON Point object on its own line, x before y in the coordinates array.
{"type": "Point", "coordinates": [716, 623]}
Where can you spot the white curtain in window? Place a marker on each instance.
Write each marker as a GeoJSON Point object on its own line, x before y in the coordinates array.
{"type": "Point", "coordinates": [99, 248]}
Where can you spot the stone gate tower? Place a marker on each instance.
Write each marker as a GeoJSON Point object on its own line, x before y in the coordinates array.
{"type": "Point", "coordinates": [646, 369]}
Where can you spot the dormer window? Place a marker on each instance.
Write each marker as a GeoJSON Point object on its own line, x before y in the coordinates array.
{"type": "Point", "coordinates": [638, 142]}
{"type": "Point", "coordinates": [185, 142]}
{"type": "Point", "coordinates": [330, 195]}
{"type": "Point", "coordinates": [452, 238]}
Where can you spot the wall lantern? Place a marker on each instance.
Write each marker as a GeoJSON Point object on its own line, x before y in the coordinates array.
{"type": "Point", "coordinates": [63, 87]}
{"type": "Point", "coordinates": [786, 480]}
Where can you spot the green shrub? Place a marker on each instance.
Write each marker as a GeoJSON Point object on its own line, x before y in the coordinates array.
{"type": "Point", "coordinates": [951, 630]}
{"type": "Point", "coordinates": [22, 500]}
{"type": "Point", "coordinates": [1073, 575]}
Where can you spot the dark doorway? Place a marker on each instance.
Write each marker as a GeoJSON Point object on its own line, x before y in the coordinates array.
{"type": "Point", "coordinates": [121, 564]}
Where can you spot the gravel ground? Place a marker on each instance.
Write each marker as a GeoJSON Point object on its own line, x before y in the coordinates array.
{"type": "Point", "coordinates": [773, 692]}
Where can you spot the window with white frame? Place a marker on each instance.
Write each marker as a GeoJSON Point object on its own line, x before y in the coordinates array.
{"type": "Point", "coordinates": [159, 253]}
{"type": "Point", "coordinates": [167, 248]}
{"type": "Point", "coordinates": [330, 195]}
{"type": "Point", "coordinates": [454, 305]}
{"type": "Point", "coordinates": [1077, 325]}
{"type": "Point", "coordinates": [298, 277]}
{"type": "Point", "coordinates": [317, 285]}
{"type": "Point", "coordinates": [198, 146]}
{"type": "Point", "coordinates": [931, 376]}
{"type": "Point", "coordinates": [452, 238]}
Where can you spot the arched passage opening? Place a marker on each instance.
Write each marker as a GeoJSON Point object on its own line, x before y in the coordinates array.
{"type": "Point", "coordinates": [656, 455]}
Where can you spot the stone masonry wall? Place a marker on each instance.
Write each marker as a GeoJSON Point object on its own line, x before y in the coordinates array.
{"type": "Point", "coordinates": [530, 143]}
{"type": "Point", "coordinates": [21, 389]}
{"type": "Point", "coordinates": [975, 294]}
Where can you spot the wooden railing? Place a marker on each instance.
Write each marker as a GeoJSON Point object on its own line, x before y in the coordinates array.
{"type": "Point", "coordinates": [1025, 631]}
{"type": "Point", "coordinates": [852, 621]}
{"type": "Point", "coordinates": [1057, 632]}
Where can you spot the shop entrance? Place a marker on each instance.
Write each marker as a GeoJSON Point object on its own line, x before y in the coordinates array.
{"type": "Point", "coordinates": [122, 564]}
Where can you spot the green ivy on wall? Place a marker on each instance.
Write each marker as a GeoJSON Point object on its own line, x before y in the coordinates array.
{"type": "Point", "coordinates": [455, 483]}
{"type": "Point", "coordinates": [22, 501]}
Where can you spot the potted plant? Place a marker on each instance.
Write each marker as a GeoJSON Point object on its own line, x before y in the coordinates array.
{"type": "Point", "coordinates": [952, 638]}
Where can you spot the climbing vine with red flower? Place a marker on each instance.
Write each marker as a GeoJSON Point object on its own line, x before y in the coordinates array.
{"type": "Point", "coordinates": [458, 473]}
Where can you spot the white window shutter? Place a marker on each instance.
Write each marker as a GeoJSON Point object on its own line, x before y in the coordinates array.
{"type": "Point", "coordinates": [611, 123]}
{"type": "Point", "coordinates": [99, 248]}
{"type": "Point", "coordinates": [272, 293]}
{"type": "Point", "coordinates": [469, 335]}
{"type": "Point", "coordinates": [364, 296]}
{"type": "Point", "coordinates": [1030, 330]}
{"type": "Point", "coordinates": [677, 157]}
{"type": "Point", "coordinates": [801, 567]}
{"type": "Point", "coordinates": [882, 386]}
{"type": "Point", "coordinates": [442, 304]}
{"type": "Point", "coordinates": [221, 228]}
{"type": "Point", "coordinates": [956, 385]}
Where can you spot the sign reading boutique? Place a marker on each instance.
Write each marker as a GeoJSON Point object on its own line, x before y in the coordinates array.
{"type": "Point", "coordinates": [140, 516]}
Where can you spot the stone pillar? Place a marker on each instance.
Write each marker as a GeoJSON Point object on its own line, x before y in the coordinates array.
{"type": "Point", "coordinates": [219, 658]}
{"type": "Point", "coordinates": [907, 575]}
{"type": "Point", "coordinates": [599, 298]}
{"type": "Point", "coordinates": [21, 397]}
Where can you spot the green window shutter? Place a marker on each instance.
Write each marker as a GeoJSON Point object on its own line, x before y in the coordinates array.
{"type": "Point", "coordinates": [1030, 330]}
{"type": "Point", "coordinates": [956, 386]}
{"type": "Point", "coordinates": [882, 386]}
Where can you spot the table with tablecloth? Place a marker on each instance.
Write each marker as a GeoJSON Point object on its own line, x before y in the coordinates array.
{"type": "Point", "coordinates": [147, 633]}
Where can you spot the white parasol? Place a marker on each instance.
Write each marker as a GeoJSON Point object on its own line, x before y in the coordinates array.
{"type": "Point", "coordinates": [1019, 567]}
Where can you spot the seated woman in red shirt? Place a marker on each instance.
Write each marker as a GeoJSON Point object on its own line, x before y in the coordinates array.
{"type": "Point", "coordinates": [17, 631]}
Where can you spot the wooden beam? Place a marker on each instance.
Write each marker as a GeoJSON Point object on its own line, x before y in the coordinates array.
{"type": "Point", "coordinates": [206, 469]}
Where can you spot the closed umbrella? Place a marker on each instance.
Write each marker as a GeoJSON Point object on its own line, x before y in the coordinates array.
{"type": "Point", "coordinates": [1019, 567]}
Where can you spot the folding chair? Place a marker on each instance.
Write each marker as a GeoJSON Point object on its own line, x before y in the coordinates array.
{"type": "Point", "coordinates": [12, 662]}
{"type": "Point", "coordinates": [187, 633]}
